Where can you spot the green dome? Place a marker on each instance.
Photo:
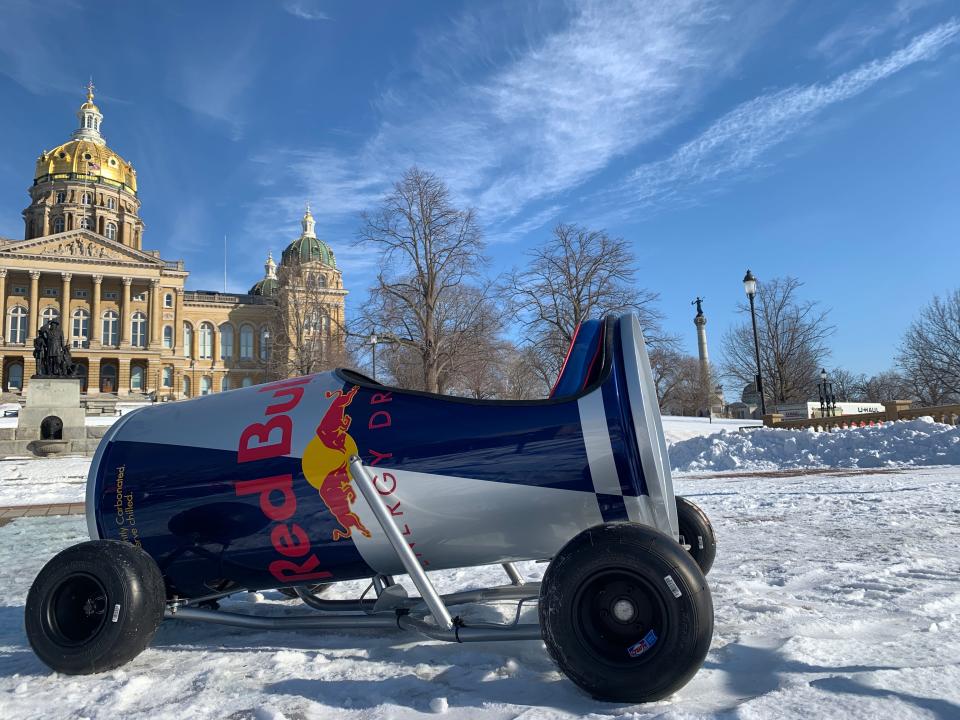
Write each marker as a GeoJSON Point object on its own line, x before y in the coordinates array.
{"type": "Point", "coordinates": [267, 287]}
{"type": "Point", "coordinates": [308, 249]}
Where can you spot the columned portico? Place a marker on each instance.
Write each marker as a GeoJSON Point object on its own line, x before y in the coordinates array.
{"type": "Point", "coordinates": [125, 313]}
{"type": "Point", "coordinates": [33, 318]}
{"type": "Point", "coordinates": [65, 323]}
{"type": "Point", "coordinates": [95, 312]}
{"type": "Point", "coordinates": [155, 314]}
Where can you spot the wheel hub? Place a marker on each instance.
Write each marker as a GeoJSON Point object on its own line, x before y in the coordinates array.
{"type": "Point", "coordinates": [617, 608]}
{"type": "Point", "coordinates": [624, 610]}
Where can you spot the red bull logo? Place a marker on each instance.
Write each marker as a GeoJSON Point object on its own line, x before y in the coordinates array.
{"type": "Point", "coordinates": [326, 464]}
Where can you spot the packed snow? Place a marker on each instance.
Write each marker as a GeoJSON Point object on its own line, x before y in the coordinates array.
{"type": "Point", "coordinates": [836, 595]}
{"type": "Point", "coordinates": [39, 481]}
{"type": "Point", "coordinates": [903, 443]}
{"type": "Point", "coordinates": [677, 427]}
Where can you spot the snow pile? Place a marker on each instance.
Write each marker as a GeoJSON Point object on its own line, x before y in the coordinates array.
{"type": "Point", "coordinates": [677, 427]}
{"type": "Point", "coordinates": [907, 442]}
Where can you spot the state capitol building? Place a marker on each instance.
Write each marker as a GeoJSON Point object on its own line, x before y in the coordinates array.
{"type": "Point", "coordinates": [132, 328]}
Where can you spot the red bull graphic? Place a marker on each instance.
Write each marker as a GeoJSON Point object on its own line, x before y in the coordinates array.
{"type": "Point", "coordinates": [326, 464]}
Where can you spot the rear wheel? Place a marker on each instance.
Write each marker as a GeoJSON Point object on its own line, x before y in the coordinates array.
{"type": "Point", "coordinates": [94, 607]}
{"type": "Point", "coordinates": [697, 533]}
{"type": "Point", "coordinates": [626, 613]}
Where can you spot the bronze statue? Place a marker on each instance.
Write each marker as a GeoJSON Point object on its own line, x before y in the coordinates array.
{"type": "Point", "coordinates": [699, 303]}
{"type": "Point", "coordinates": [51, 352]}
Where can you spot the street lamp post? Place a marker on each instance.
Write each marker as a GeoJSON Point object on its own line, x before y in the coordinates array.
{"type": "Point", "coordinates": [373, 349]}
{"type": "Point", "coordinates": [828, 401]}
{"type": "Point", "coordinates": [750, 287]}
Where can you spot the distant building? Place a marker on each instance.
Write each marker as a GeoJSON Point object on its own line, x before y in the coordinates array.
{"type": "Point", "coordinates": [808, 410]}
{"type": "Point", "coordinates": [131, 325]}
{"type": "Point", "coordinates": [748, 407]}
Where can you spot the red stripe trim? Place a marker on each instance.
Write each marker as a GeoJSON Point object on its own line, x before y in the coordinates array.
{"type": "Point", "coordinates": [564, 367]}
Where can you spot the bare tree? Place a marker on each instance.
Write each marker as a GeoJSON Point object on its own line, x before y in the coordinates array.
{"type": "Point", "coordinates": [306, 335]}
{"type": "Point", "coordinates": [929, 354]}
{"type": "Point", "coordinates": [847, 386]}
{"type": "Point", "coordinates": [885, 386]}
{"type": "Point", "coordinates": [680, 390]}
{"type": "Point", "coordinates": [422, 301]}
{"type": "Point", "coordinates": [792, 335]}
{"type": "Point", "coordinates": [578, 274]}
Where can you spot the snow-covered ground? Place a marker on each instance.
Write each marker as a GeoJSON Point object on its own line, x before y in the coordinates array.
{"type": "Point", "coordinates": [91, 420]}
{"type": "Point", "coordinates": [36, 481]}
{"type": "Point", "coordinates": [836, 595]}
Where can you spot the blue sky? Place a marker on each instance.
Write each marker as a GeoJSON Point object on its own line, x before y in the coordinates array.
{"type": "Point", "coordinates": [816, 139]}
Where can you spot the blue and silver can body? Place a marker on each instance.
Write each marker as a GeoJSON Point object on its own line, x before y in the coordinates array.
{"type": "Point", "coordinates": [251, 488]}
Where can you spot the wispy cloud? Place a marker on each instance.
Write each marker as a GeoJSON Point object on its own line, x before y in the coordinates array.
{"type": "Point", "coordinates": [866, 26]}
{"type": "Point", "coordinates": [305, 10]}
{"type": "Point", "coordinates": [508, 125]}
{"type": "Point", "coordinates": [740, 139]}
{"type": "Point", "coordinates": [212, 80]}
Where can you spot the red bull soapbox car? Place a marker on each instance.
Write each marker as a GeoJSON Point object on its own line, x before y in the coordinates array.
{"type": "Point", "coordinates": [304, 482]}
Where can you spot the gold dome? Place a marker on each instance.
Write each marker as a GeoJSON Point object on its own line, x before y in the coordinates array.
{"type": "Point", "coordinates": [82, 157]}
{"type": "Point", "coordinates": [86, 154]}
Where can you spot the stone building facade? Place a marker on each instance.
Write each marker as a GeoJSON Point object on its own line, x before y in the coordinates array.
{"type": "Point", "coordinates": [133, 327]}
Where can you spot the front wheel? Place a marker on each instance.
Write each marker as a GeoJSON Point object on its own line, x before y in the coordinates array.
{"type": "Point", "coordinates": [625, 613]}
{"type": "Point", "coordinates": [94, 607]}
{"type": "Point", "coordinates": [696, 533]}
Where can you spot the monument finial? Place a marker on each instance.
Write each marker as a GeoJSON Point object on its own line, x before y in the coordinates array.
{"type": "Point", "coordinates": [699, 303]}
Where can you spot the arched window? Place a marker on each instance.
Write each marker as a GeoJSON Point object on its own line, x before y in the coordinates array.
{"type": "Point", "coordinates": [138, 330]}
{"type": "Point", "coordinates": [187, 340]}
{"type": "Point", "coordinates": [168, 376]}
{"type": "Point", "coordinates": [206, 340]}
{"type": "Point", "coordinates": [48, 315]}
{"type": "Point", "coordinates": [206, 385]}
{"type": "Point", "coordinates": [61, 196]}
{"type": "Point", "coordinates": [136, 378]}
{"type": "Point", "coordinates": [111, 328]}
{"type": "Point", "coordinates": [168, 336]}
{"type": "Point", "coordinates": [111, 232]}
{"type": "Point", "coordinates": [321, 280]}
{"type": "Point", "coordinates": [81, 328]}
{"type": "Point", "coordinates": [186, 386]}
{"type": "Point", "coordinates": [111, 203]}
{"type": "Point", "coordinates": [246, 342]}
{"type": "Point", "coordinates": [247, 382]}
{"type": "Point", "coordinates": [224, 383]}
{"type": "Point", "coordinates": [264, 344]}
{"type": "Point", "coordinates": [15, 376]}
{"type": "Point", "coordinates": [86, 199]}
{"type": "Point", "coordinates": [86, 223]}
{"type": "Point", "coordinates": [226, 342]}
{"type": "Point", "coordinates": [18, 324]}
{"type": "Point", "coordinates": [58, 224]}
{"type": "Point", "coordinates": [168, 300]}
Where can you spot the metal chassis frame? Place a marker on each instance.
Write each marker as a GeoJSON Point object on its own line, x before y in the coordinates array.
{"type": "Point", "coordinates": [399, 612]}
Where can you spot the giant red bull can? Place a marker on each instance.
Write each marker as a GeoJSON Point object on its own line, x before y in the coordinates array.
{"type": "Point", "coordinates": [252, 488]}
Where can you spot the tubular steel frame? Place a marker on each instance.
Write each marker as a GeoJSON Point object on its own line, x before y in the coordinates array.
{"type": "Point", "coordinates": [399, 611]}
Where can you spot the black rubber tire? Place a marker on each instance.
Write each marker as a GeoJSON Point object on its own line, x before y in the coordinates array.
{"type": "Point", "coordinates": [94, 607]}
{"type": "Point", "coordinates": [597, 570]}
{"type": "Point", "coordinates": [697, 532]}
{"type": "Point", "coordinates": [318, 590]}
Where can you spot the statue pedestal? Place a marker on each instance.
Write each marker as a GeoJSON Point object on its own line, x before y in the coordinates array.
{"type": "Point", "coordinates": [52, 411]}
